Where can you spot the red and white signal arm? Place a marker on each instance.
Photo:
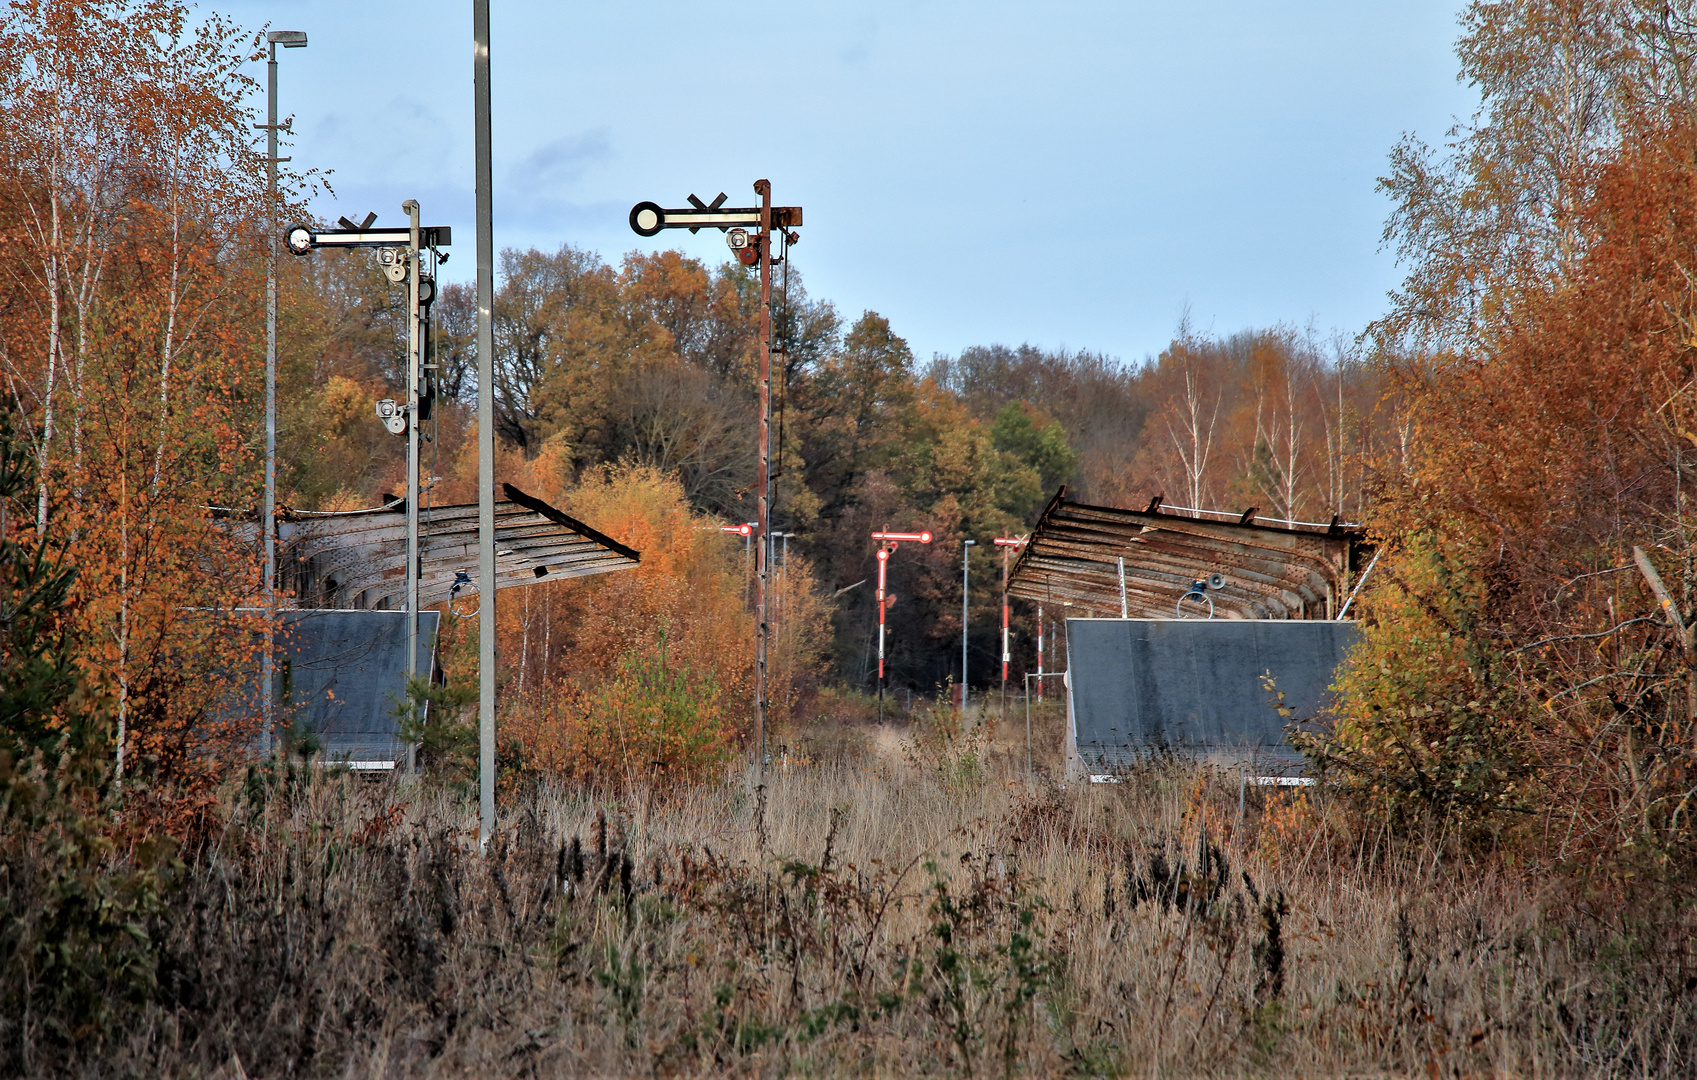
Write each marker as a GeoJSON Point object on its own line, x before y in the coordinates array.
{"type": "Point", "coordinates": [918, 537]}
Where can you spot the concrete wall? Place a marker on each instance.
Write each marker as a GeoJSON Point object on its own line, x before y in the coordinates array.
{"type": "Point", "coordinates": [1194, 686]}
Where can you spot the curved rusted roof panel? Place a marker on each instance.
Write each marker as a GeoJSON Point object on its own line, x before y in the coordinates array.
{"type": "Point", "coordinates": [358, 559]}
{"type": "Point", "coordinates": [1273, 569]}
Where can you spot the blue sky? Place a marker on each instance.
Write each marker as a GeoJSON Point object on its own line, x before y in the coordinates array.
{"type": "Point", "coordinates": [1066, 174]}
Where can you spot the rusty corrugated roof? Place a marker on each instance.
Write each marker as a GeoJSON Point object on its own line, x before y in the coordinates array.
{"type": "Point", "coordinates": [1273, 569]}
{"type": "Point", "coordinates": [357, 559]}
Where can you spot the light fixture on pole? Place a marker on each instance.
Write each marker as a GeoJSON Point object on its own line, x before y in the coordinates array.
{"type": "Point", "coordinates": [289, 39]}
{"type": "Point", "coordinates": [1008, 544]}
{"type": "Point", "coordinates": [887, 544]}
{"type": "Point", "coordinates": [966, 547]}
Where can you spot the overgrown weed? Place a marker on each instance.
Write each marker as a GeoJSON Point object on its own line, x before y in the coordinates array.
{"type": "Point", "coordinates": [886, 922]}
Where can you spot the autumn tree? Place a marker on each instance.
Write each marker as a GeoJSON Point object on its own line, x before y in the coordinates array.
{"type": "Point", "coordinates": [127, 337]}
{"type": "Point", "coordinates": [1500, 207]}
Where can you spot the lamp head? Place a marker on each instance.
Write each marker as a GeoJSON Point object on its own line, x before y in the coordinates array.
{"type": "Point", "coordinates": [289, 39]}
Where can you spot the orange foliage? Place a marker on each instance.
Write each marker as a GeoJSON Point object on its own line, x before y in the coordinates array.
{"type": "Point", "coordinates": [130, 335]}
{"type": "Point", "coordinates": [652, 667]}
{"type": "Point", "coordinates": [1529, 471]}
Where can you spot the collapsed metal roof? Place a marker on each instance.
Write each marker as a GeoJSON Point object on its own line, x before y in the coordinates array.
{"type": "Point", "coordinates": [357, 559]}
{"type": "Point", "coordinates": [1272, 569]}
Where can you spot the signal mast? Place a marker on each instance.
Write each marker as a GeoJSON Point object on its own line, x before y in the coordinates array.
{"type": "Point", "coordinates": [1009, 545]}
{"type": "Point", "coordinates": [887, 544]}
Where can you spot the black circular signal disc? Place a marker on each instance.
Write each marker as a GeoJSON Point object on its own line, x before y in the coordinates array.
{"type": "Point", "coordinates": [647, 219]}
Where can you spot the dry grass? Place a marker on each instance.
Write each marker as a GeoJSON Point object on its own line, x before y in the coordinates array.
{"type": "Point", "coordinates": [906, 914]}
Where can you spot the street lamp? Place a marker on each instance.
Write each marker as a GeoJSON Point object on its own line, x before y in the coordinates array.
{"type": "Point", "coordinates": [966, 547]}
{"type": "Point", "coordinates": [289, 39]}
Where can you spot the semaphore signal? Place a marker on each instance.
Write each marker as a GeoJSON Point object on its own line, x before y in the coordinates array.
{"type": "Point", "coordinates": [886, 544]}
{"type": "Point", "coordinates": [770, 224]}
{"type": "Point", "coordinates": [409, 256]}
{"type": "Point", "coordinates": [1009, 545]}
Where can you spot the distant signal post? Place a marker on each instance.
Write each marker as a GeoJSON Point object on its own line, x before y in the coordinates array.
{"type": "Point", "coordinates": [752, 249]}
{"type": "Point", "coordinates": [887, 544]}
{"type": "Point", "coordinates": [1009, 545]}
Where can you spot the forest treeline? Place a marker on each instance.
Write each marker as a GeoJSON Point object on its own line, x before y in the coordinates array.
{"type": "Point", "coordinates": [1517, 433]}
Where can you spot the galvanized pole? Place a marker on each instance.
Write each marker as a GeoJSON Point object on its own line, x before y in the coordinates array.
{"type": "Point", "coordinates": [1039, 657]}
{"type": "Point", "coordinates": [763, 188]}
{"type": "Point", "coordinates": [1125, 612]}
{"type": "Point", "coordinates": [290, 39]}
{"type": "Point", "coordinates": [267, 515]}
{"type": "Point", "coordinates": [486, 585]}
{"type": "Point", "coordinates": [965, 560]}
{"type": "Point", "coordinates": [415, 344]}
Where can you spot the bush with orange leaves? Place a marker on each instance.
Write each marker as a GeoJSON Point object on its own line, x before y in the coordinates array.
{"type": "Point", "coordinates": [651, 670]}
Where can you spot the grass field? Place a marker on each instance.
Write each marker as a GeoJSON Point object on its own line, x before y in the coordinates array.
{"type": "Point", "coordinates": [897, 906]}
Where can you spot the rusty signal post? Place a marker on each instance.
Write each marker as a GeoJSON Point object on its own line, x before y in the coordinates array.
{"type": "Point", "coordinates": [1009, 545]}
{"type": "Point", "coordinates": [887, 544]}
{"type": "Point", "coordinates": [752, 248]}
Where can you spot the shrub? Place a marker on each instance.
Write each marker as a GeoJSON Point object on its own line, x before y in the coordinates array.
{"type": "Point", "coordinates": [1427, 732]}
{"type": "Point", "coordinates": [653, 716]}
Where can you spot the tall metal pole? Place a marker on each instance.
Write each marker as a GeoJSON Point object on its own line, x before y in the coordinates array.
{"type": "Point", "coordinates": [290, 39]}
{"type": "Point", "coordinates": [486, 585]}
{"type": "Point", "coordinates": [267, 514]}
{"type": "Point", "coordinates": [883, 564]}
{"type": "Point", "coordinates": [965, 563]}
{"type": "Point", "coordinates": [763, 188]}
{"type": "Point", "coordinates": [1005, 653]}
{"type": "Point", "coordinates": [415, 345]}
